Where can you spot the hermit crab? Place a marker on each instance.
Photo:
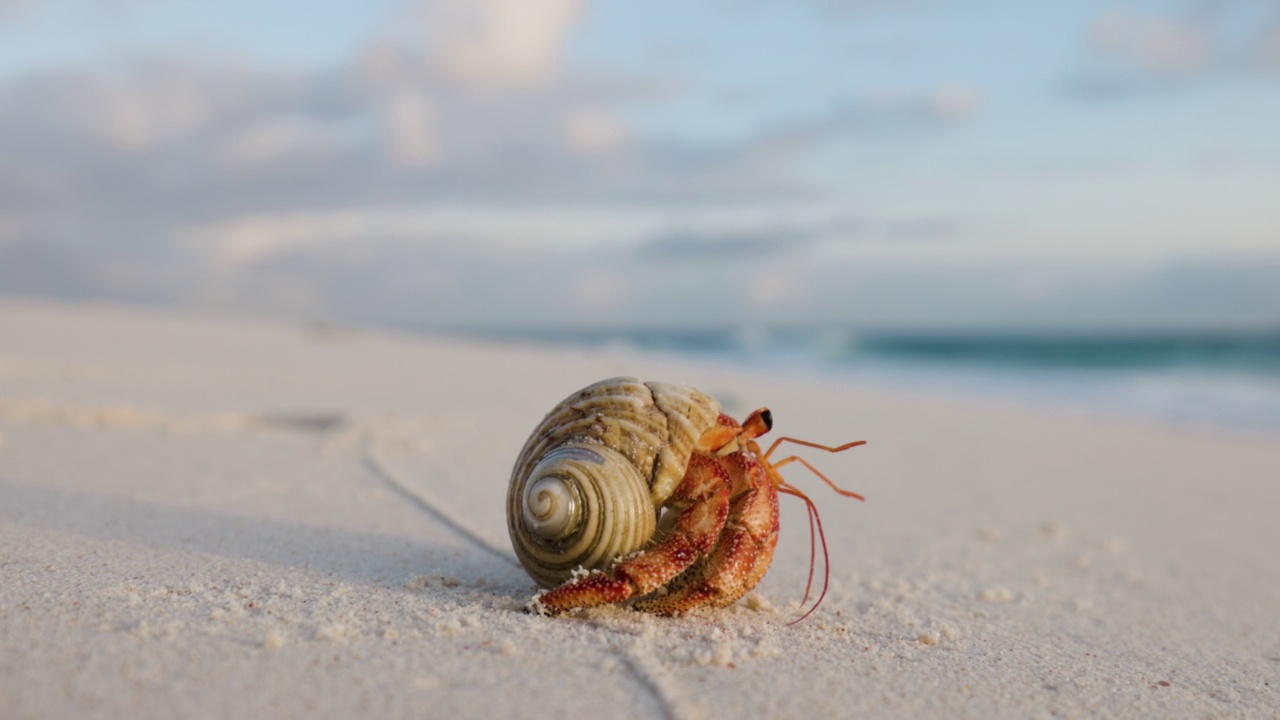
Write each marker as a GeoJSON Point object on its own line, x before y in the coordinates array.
{"type": "Point", "coordinates": [645, 491]}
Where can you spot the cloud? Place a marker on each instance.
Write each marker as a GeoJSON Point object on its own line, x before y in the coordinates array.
{"type": "Point", "coordinates": [412, 129]}
{"type": "Point", "coordinates": [766, 163]}
{"type": "Point", "coordinates": [923, 229]}
{"type": "Point", "coordinates": [593, 131]}
{"type": "Point", "coordinates": [431, 152]}
{"type": "Point", "coordinates": [790, 241]}
{"type": "Point", "coordinates": [883, 113]}
{"type": "Point", "coordinates": [955, 102]}
{"type": "Point", "coordinates": [486, 46]}
{"type": "Point", "coordinates": [442, 283]}
{"type": "Point", "coordinates": [450, 102]}
{"type": "Point", "coordinates": [771, 288]}
{"type": "Point", "coordinates": [837, 9]}
{"type": "Point", "coordinates": [1158, 44]}
{"type": "Point", "coordinates": [513, 232]}
{"type": "Point", "coordinates": [280, 140]}
{"type": "Point", "coordinates": [140, 109]}
{"type": "Point", "coordinates": [1166, 47]}
{"type": "Point", "coordinates": [1133, 52]}
{"type": "Point", "coordinates": [496, 43]}
{"type": "Point", "coordinates": [1099, 86]}
{"type": "Point", "coordinates": [721, 246]}
{"type": "Point", "coordinates": [598, 293]}
{"type": "Point", "coordinates": [1267, 55]}
{"type": "Point", "coordinates": [15, 11]}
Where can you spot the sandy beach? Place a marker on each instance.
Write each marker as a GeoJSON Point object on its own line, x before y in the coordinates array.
{"type": "Point", "coordinates": [204, 516]}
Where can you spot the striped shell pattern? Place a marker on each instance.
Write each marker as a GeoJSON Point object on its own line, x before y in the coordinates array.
{"type": "Point", "coordinates": [591, 480]}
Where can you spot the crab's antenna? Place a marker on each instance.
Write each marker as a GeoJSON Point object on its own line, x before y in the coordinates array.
{"type": "Point", "coordinates": [813, 552]}
{"type": "Point", "coordinates": [815, 519]}
{"type": "Point", "coordinates": [811, 510]}
{"type": "Point", "coordinates": [826, 559]}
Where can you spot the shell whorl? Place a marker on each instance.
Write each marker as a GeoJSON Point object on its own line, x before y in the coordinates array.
{"type": "Point", "coordinates": [589, 483]}
{"type": "Point", "coordinates": [582, 505]}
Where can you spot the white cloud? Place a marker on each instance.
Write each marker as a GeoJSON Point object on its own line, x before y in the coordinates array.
{"type": "Point", "coordinates": [501, 232]}
{"type": "Point", "coordinates": [17, 10]}
{"type": "Point", "coordinates": [1113, 30]}
{"type": "Point", "coordinates": [955, 102]}
{"type": "Point", "coordinates": [593, 131]}
{"type": "Point", "coordinates": [1268, 52]}
{"type": "Point", "coordinates": [1170, 47]}
{"type": "Point", "coordinates": [250, 239]}
{"type": "Point", "coordinates": [773, 287]}
{"type": "Point", "coordinates": [597, 293]}
{"type": "Point", "coordinates": [384, 62]}
{"type": "Point", "coordinates": [411, 119]}
{"type": "Point", "coordinates": [463, 131]}
{"type": "Point", "coordinates": [499, 43]}
{"type": "Point", "coordinates": [278, 140]}
{"type": "Point", "coordinates": [1164, 45]}
{"type": "Point", "coordinates": [137, 112]}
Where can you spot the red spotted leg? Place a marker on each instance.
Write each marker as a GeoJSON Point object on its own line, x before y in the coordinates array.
{"type": "Point", "coordinates": [745, 549]}
{"type": "Point", "coordinates": [741, 556]}
{"type": "Point", "coordinates": [702, 503]}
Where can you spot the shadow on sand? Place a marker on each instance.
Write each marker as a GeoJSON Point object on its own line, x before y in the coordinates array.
{"type": "Point", "coordinates": [353, 556]}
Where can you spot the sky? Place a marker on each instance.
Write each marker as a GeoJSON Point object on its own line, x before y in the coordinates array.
{"type": "Point", "coordinates": [552, 163]}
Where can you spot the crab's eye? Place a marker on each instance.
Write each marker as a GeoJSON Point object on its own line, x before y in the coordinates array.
{"type": "Point", "coordinates": [767, 417]}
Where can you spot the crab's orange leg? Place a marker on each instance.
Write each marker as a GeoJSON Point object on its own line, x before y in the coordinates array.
{"type": "Point", "coordinates": [814, 470]}
{"type": "Point", "coordinates": [814, 445]}
{"type": "Point", "coordinates": [814, 518]}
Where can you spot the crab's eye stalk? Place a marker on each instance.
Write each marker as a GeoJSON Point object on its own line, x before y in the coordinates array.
{"type": "Point", "coordinates": [757, 423]}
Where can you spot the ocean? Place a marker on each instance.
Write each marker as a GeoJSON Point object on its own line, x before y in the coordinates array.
{"type": "Point", "coordinates": [1229, 379]}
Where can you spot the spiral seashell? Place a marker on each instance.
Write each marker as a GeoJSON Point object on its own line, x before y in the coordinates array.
{"type": "Point", "coordinates": [592, 478]}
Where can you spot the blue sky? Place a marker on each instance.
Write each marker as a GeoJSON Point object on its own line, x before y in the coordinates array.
{"type": "Point", "coordinates": [993, 162]}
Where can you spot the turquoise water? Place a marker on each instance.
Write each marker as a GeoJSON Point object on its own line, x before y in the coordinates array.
{"type": "Point", "coordinates": [1225, 379]}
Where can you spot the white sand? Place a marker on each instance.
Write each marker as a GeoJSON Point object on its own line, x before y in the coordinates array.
{"type": "Point", "coordinates": [204, 517]}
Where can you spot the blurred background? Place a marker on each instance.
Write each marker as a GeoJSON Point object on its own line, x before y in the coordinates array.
{"type": "Point", "coordinates": [1076, 201]}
